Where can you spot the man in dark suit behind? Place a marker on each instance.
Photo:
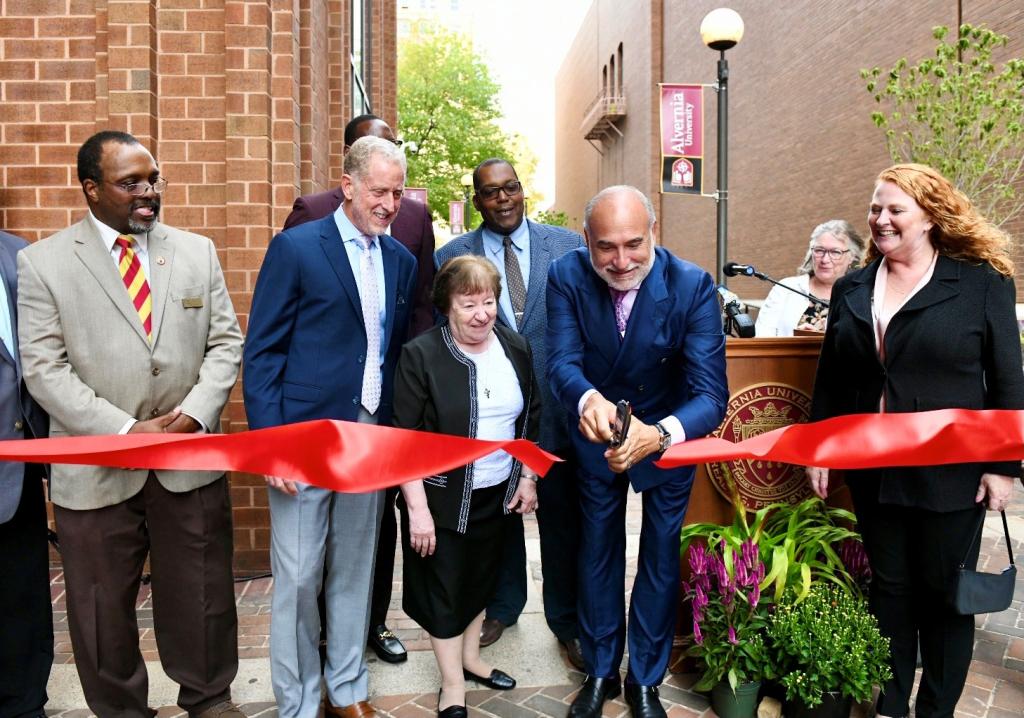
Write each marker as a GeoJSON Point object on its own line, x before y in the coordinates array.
{"type": "Point", "coordinates": [412, 227]}
{"type": "Point", "coordinates": [629, 321]}
{"type": "Point", "coordinates": [528, 252]}
{"type": "Point", "coordinates": [26, 649]}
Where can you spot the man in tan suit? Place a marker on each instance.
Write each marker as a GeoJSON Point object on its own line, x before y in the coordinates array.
{"type": "Point", "coordinates": [126, 326]}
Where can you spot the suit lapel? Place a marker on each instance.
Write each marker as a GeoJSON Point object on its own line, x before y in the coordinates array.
{"type": "Point", "coordinates": [858, 299]}
{"type": "Point", "coordinates": [597, 299]}
{"type": "Point", "coordinates": [97, 260]}
{"type": "Point", "coordinates": [943, 285]}
{"type": "Point", "coordinates": [540, 258]}
{"type": "Point", "coordinates": [389, 257]}
{"type": "Point", "coordinates": [334, 249]}
{"type": "Point", "coordinates": [161, 262]}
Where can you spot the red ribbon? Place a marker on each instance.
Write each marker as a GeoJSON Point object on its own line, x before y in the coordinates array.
{"type": "Point", "coordinates": [338, 455]}
{"type": "Point", "coordinates": [862, 441]}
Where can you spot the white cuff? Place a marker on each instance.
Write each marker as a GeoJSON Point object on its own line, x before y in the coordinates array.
{"type": "Point", "coordinates": [583, 401]}
{"type": "Point", "coordinates": [127, 426]}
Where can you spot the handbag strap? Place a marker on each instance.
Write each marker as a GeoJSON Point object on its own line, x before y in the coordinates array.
{"type": "Point", "coordinates": [977, 536]}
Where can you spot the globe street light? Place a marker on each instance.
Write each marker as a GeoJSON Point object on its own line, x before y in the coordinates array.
{"type": "Point", "coordinates": [720, 30]}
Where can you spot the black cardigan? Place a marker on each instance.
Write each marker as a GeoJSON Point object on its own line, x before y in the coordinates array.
{"type": "Point", "coordinates": [435, 390]}
{"type": "Point", "coordinates": [955, 344]}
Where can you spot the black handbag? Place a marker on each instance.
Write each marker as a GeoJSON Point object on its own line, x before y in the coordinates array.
{"type": "Point", "coordinates": [977, 592]}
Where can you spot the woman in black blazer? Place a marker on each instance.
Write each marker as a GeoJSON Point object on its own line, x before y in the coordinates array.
{"type": "Point", "coordinates": [928, 323]}
{"type": "Point", "coordinates": [467, 377]}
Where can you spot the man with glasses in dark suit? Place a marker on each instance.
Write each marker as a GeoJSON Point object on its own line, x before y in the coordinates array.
{"type": "Point", "coordinates": [522, 251]}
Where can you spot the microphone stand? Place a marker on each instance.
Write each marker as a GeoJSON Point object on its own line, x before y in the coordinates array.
{"type": "Point", "coordinates": [764, 277]}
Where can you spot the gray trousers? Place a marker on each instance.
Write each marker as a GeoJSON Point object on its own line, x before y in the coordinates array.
{"type": "Point", "coordinates": [308, 531]}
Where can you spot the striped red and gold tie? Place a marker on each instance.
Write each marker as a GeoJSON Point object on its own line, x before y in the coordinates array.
{"type": "Point", "coordinates": [135, 281]}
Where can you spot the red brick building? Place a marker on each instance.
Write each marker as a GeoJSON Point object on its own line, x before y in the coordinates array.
{"type": "Point", "coordinates": [243, 103]}
{"type": "Point", "coordinates": [803, 148]}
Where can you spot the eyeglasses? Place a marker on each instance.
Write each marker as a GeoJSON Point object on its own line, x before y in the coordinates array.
{"type": "Point", "coordinates": [511, 188]}
{"type": "Point", "coordinates": [137, 189]}
{"type": "Point", "coordinates": [834, 254]}
{"type": "Point", "coordinates": [397, 142]}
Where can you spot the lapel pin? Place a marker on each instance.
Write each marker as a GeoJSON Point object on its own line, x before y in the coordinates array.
{"type": "Point", "coordinates": [161, 261]}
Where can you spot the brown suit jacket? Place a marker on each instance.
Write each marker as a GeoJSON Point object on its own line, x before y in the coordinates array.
{"type": "Point", "coordinates": [87, 361]}
{"type": "Point", "coordinates": [411, 227]}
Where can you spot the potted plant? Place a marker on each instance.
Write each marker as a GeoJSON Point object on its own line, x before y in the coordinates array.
{"type": "Point", "coordinates": [828, 651]}
{"type": "Point", "coordinates": [729, 621]}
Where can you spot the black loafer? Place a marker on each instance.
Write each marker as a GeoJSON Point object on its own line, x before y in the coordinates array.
{"type": "Point", "coordinates": [643, 701]}
{"type": "Point", "coordinates": [386, 644]}
{"type": "Point", "coordinates": [594, 692]}
{"type": "Point", "coordinates": [450, 711]}
{"type": "Point", "coordinates": [574, 652]}
{"type": "Point", "coordinates": [498, 680]}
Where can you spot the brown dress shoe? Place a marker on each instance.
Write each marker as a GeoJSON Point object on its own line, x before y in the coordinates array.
{"type": "Point", "coordinates": [224, 709]}
{"type": "Point", "coordinates": [574, 652]}
{"type": "Point", "coordinates": [491, 631]}
{"type": "Point", "coordinates": [362, 709]}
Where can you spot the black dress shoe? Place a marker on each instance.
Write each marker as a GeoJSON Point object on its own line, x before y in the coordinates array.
{"type": "Point", "coordinates": [574, 652]}
{"type": "Point", "coordinates": [386, 644]}
{"type": "Point", "coordinates": [490, 631]}
{"type": "Point", "coordinates": [592, 695]}
{"type": "Point", "coordinates": [643, 701]}
{"type": "Point", "coordinates": [498, 680]}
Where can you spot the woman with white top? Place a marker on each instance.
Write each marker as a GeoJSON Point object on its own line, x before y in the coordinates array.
{"type": "Point", "coordinates": [835, 248]}
{"type": "Point", "coordinates": [928, 323]}
{"type": "Point", "coordinates": [471, 378]}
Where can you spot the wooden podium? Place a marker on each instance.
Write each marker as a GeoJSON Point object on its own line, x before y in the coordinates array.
{"type": "Point", "coordinates": [790, 361]}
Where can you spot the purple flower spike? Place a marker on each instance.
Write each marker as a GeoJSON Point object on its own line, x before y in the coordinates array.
{"type": "Point", "coordinates": [732, 635]}
{"type": "Point", "coordinates": [698, 637]}
{"type": "Point", "coordinates": [698, 560]}
{"type": "Point", "coordinates": [755, 595]}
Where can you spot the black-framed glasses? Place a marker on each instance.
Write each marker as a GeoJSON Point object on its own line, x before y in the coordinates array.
{"type": "Point", "coordinates": [137, 189]}
{"type": "Point", "coordinates": [834, 254]}
{"type": "Point", "coordinates": [397, 142]}
{"type": "Point", "coordinates": [510, 188]}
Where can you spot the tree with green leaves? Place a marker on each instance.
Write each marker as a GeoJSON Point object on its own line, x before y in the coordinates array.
{"type": "Point", "coordinates": [960, 114]}
{"type": "Point", "coordinates": [447, 114]}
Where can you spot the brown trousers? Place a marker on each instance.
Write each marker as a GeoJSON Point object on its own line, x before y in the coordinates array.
{"type": "Point", "coordinates": [188, 539]}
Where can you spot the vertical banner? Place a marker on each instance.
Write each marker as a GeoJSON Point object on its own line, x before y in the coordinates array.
{"type": "Point", "coordinates": [457, 216]}
{"type": "Point", "coordinates": [682, 138]}
{"type": "Point", "coordinates": [417, 193]}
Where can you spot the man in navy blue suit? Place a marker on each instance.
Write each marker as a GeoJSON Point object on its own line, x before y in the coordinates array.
{"type": "Point", "coordinates": [329, 315]}
{"type": "Point", "coordinates": [528, 252]}
{"type": "Point", "coordinates": [629, 321]}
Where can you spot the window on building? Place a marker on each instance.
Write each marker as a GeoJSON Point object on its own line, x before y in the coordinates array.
{"type": "Point", "coordinates": [619, 66]}
{"type": "Point", "coordinates": [615, 87]}
{"type": "Point", "coordinates": [359, 58]}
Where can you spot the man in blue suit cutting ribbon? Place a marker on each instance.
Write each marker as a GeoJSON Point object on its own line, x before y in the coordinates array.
{"type": "Point", "coordinates": [629, 321]}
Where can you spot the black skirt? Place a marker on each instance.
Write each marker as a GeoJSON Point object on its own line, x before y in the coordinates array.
{"type": "Point", "coordinates": [444, 592]}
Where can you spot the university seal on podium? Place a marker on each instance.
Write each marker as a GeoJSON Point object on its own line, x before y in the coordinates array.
{"type": "Point", "coordinates": [757, 409]}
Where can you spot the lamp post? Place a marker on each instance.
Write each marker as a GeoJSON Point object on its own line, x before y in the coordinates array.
{"type": "Point", "coordinates": [720, 30]}
{"type": "Point", "coordinates": [467, 188]}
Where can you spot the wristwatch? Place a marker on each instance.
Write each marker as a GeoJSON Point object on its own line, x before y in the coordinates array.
{"type": "Point", "coordinates": [665, 439]}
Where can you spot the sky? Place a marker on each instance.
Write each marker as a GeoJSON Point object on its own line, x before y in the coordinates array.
{"type": "Point", "coordinates": [523, 43]}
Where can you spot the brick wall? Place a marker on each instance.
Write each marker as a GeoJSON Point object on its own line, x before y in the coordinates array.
{"type": "Point", "coordinates": [802, 147]}
{"type": "Point", "coordinates": [243, 103]}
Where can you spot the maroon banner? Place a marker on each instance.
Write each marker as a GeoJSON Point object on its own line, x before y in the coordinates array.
{"type": "Point", "coordinates": [682, 138]}
{"type": "Point", "coordinates": [862, 441]}
{"type": "Point", "coordinates": [338, 455]}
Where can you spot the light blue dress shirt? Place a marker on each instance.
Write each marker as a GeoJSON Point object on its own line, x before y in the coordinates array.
{"type": "Point", "coordinates": [6, 329]}
{"type": "Point", "coordinates": [494, 250]}
{"type": "Point", "coordinates": [351, 237]}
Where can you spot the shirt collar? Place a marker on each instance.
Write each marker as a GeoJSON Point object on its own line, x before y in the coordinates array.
{"type": "Point", "coordinates": [109, 235]}
{"type": "Point", "coordinates": [520, 237]}
{"type": "Point", "coordinates": [349, 232]}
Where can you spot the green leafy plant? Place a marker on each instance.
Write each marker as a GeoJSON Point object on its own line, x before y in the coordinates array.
{"type": "Point", "coordinates": [959, 113]}
{"type": "Point", "coordinates": [827, 642]}
{"type": "Point", "coordinates": [800, 543]}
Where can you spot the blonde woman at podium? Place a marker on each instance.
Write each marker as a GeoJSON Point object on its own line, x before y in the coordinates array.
{"type": "Point", "coordinates": [834, 249]}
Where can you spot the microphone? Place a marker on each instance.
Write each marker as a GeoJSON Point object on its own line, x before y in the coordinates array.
{"type": "Point", "coordinates": [736, 312]}
{"type": "Point", "coordinates": [731, 269]}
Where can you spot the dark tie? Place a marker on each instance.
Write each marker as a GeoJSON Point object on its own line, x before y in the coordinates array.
{"type": "Point", "coordinates": [514, 280]}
